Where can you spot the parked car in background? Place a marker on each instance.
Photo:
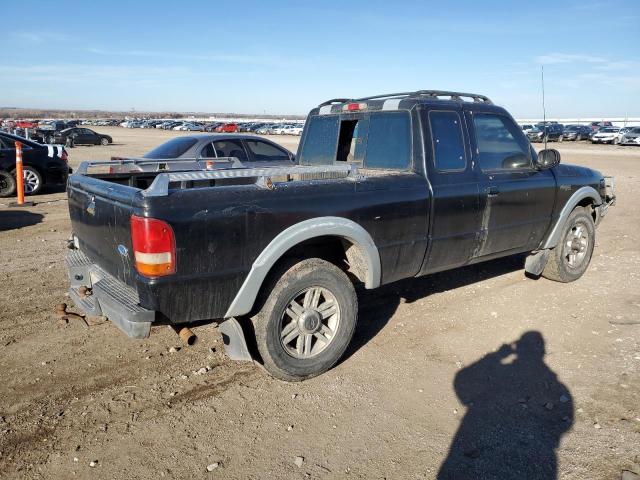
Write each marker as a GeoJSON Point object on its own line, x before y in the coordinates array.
{"type": "Point", "coordinates": [43, 165]}
{"type": "Point", "coordinates": [81, 136]}
{"type": "Point", "coordinates": [526, 128]}
{"type": "Point", "coordinates": [598, 125]}
{"type": "Point", "coordinates": [227, 128]}
{"type": "Point", "coordinates": [621, 132]}
{"type": "Point", "coordinates": [552, 132]}
{"type": "Point", "coordinates": [576, 132]}
{"type": "Point", "coordinates": [251, 150]}
{"type": "Point", "coordinates": [606, 135]}
{"type": "Point", "coordinates": [631, 137]}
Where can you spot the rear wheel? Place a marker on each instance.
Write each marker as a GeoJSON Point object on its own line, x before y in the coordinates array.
{"type": "Point", "coordinates": [7, 184]}
{"type": "Point", "coordinates": [560, 138]}
{"type": "Point", "coordinates": [570, 258]}
{"type": "Point", "coordinates": [307, 320]}
{"type": "Point", "coordinates": [33, 182]}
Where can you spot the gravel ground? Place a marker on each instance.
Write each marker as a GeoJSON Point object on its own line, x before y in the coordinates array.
{"type": "Point", "coordinates": [520, 378]}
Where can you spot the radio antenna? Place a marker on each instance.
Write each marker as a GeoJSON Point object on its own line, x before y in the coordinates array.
{"type": "Point", "coordinates": [544, 112]}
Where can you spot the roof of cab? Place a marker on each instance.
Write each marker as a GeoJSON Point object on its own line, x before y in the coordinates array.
{"type": "Point", "coordinates": [397, 101]}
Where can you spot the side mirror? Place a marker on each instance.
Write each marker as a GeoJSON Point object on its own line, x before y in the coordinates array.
{"type": "Point", "coordinates": [547, 159]}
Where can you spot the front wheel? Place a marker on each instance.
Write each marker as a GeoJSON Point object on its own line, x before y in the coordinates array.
{"type": "Point", "coordinates": [104, 141]}
{"type": "Point", "coordinates": [560, 138]}
{"type": "Point", "coordinates": [570, 258]}
{"type": "Point", "coordinates": [307, 320]}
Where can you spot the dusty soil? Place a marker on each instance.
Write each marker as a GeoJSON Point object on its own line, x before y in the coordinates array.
{"type": "Point", "coordinates": [431, 366]}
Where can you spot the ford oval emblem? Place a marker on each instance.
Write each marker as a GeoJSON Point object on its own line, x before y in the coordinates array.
{"type": "Point", "coordinates": [122, 250]}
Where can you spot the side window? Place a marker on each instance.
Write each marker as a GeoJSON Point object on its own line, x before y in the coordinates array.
{"type": "Point", "coordinates": [265, 152]}
{"type": "Point", "coordinates": [447, 141]}
{"type": "Point", "coordinates": [389, 141]}
{"type": "Point", "coordinates": [320, 140]}
{"type": "Point", "coordinates": [3, 143]}
{"type": "Point", "coordinates": [208, 151]}
{"type": "Point", "coordinates": [501, 144]}
{"type": "Point", "coordinates": [230, 148]}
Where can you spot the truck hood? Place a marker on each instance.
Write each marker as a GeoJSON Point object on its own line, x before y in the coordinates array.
{"type": "Point", "coordinates": [587, 175]}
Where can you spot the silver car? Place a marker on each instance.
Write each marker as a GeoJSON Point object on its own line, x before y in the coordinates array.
{"type": "Point", "coordinates": [631, 137]}
{"type": "Point", "coordinates": [194, 151]}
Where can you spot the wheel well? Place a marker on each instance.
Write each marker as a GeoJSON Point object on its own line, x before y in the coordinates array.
{"type": "Point", "coordinates": [342, 252]}
{"type": "Point", "coordinates": [589, 204]}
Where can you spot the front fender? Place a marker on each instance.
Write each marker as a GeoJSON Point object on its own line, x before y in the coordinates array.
{"type": "Point", "coordinates": [583, 192]}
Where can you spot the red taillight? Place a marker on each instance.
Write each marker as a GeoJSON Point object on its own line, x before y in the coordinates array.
{"type": "Point", "coordinates": [64, 156]}
{"type": "Point", "coordinates": [154, 246]}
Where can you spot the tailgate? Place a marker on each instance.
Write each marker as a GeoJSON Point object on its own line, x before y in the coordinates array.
{"type": "Point", "coordinates": [100, 214]}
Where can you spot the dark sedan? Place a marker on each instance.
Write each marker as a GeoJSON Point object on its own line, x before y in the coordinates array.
{"type": "Point", "coordinates": [43, 165]}
{"type": "Point", "coordinates": [576, 132]}
{"type": "Point", "coordinates": [550, 133]}
{"type": "Point", "coordinates": [81, 136]}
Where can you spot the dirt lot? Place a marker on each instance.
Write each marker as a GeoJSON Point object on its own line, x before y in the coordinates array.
{"type": "Point", "coordinates": [428, 369]}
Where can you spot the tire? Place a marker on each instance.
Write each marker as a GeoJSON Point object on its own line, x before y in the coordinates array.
{"type": "Point", "coordinates": [33, 181]}
{"type": "Point", "coordinates": [560, 139]}
{"type": "Point", "coordinates": [577, 240]}
{"type": "Point", "coordinates": [7, 184]}
{"type": "Point", "coordinates": [312, 285]}
{"type": "Point", "coordinates": [49, 139]}
{"type": "Point", "coordinates": [69, 143]}
{"type": "Point", "coordinates": [104, 141]}
{"type": "Point", "coordinates": [615, 141]}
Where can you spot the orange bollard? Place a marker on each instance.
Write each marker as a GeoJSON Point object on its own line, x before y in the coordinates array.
{"type": "Point", "coordinates": [20, 180]}
{"type": "Point", "coordinates": [19, 174]}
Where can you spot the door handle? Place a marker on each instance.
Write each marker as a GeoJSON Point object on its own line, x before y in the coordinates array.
{"type": "Point", "coordinates": [492, 191]}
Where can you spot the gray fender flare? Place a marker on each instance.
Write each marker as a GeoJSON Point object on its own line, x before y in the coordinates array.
{"type": "Point", "coordinates": [295, 234]}
{"type": "Point", "coordinates": [579, 195]}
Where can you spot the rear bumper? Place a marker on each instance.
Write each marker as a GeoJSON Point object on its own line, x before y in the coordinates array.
{"type": "Point", "coordinates": [108, 296]}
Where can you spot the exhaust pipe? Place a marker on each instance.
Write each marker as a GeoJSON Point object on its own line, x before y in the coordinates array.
{"type": "Point", "coordinates": [186, 335]}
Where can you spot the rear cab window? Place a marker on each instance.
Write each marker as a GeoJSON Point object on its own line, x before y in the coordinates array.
{"type": "Point", "coordinates": [447, 141]}
{"type": "Point", "coordinates": [376, 140]}
{"type": "Point", "coordinates": [172, 149]}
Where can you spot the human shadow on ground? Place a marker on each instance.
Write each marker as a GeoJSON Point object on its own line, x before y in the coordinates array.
{"type": "Point", "coordinates": [517, 412]}
{"type": "Point", "coordinates": [18, 218]}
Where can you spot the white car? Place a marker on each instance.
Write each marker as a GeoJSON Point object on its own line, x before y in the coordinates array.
{"type": "Point", "coordinates": [527, 128]}
{"type": "Point", "coordinates": [296, 130]}
{"type": "Point", "coordinates": [606, 135]}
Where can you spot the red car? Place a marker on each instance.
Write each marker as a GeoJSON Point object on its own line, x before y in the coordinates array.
{"type": "Point", "coordinates": [227, 128]}
{"type": "Point", "coordinates": [26, 124]}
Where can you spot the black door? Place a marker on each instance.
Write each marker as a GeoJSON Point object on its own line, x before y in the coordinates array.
{"type": "Point", "coordinates": [7, 154]}
{"type": "Point", "coordinates": [517, 200]}
{"type": "Point", "coordinates": [455, 212]}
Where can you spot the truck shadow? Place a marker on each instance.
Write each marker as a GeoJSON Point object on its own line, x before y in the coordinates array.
{"type": "Point", "coordinates": [377, 307]}
{"type": "Point", "coordinates": [517, 412]}
{"type": "Point", "coordinates": [13, 219]}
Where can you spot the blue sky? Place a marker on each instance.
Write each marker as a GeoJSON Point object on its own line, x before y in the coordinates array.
{"type": "Point", "coordinates": [288, 56]}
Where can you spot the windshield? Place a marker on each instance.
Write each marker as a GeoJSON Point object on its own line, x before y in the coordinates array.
{"type": "Point", "coordinates": [635, 130]}
{"type": "Point", "coordinates": [608, 130]}
{"type": "Point", "coordinates": [173, 148]}
{"type": "Point", "coordinates": [572, 128]}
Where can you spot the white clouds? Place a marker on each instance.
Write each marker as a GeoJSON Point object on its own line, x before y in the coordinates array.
{"type": "Point", "coordinates": [39, 37]}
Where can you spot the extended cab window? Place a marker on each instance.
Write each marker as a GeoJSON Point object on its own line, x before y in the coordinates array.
{"type": "Point", "coordinates": [389, 141]}
{"type": "Point", "coordinates": [501, 144]}
{"type": "Point", "coordinates": [319, 146]}
{"type": "Point", "coordinates": [447, 141]}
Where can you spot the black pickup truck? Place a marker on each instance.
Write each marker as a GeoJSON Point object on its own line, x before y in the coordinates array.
{"type": "Point", "coordinates": [385, 188]}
